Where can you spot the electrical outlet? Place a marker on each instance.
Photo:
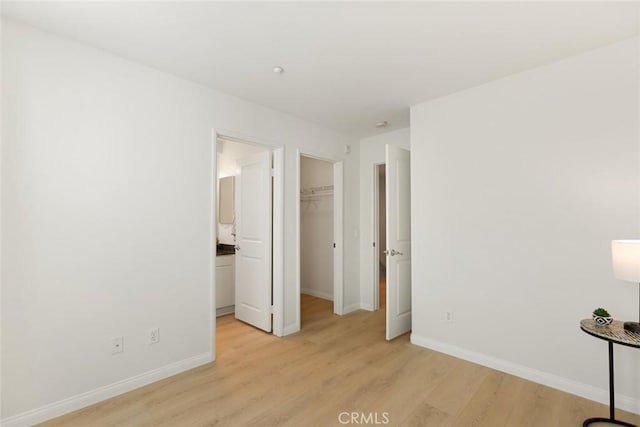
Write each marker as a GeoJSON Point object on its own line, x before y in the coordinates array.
{"type": "Point", "coordinates": [154, 336]}
{"type": "Point", "coordinates": [117, 345]}
{"type": "Point", "coordinates": [448, 316]}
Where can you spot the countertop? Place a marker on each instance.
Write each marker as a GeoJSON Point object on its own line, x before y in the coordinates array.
{"type": "Point", "coordinates": [223, 249]}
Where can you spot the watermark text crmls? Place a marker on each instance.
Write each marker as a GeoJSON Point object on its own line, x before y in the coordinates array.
{"type": "Point", "coordinates": [364, 418]}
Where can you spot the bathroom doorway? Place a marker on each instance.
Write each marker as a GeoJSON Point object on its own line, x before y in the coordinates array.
{"type": "Point", "coordinates": [247, 228]}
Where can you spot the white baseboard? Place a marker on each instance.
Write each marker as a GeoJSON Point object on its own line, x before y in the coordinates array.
{"type": "Point", "coordinates": [315, 293]}
{"type": "Point", "coordinates": [590, 392]}
{"type": "Point", "coordinates": [353, 307]}
{"type": "Point", "coordinates": [367, 307]}
{"type": "Point", "coordinates": [223, 311]}
{"type": "Point", "coordinates": [290, 329]}
{"type": "Point", "coordinates": [82, 400]}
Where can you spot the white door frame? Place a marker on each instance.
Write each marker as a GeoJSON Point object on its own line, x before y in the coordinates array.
{"type": "Point", "coordinates": [213, 229]}
{"type": "Point", "coordinates": [278, 228]}
{"type": "Point", "coordinates": [278, 242]}
{"type": "Point", "coordinates": [376, 236]}
{"type": "Point", "coordinates": [338, 239]}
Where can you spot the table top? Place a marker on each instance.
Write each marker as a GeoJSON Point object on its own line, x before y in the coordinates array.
{"type": "Point", "coordinates": [614, 332]}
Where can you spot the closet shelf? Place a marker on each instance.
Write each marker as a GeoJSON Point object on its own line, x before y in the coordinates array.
{"type": "Point", "coordinates": [321, 190]}
{"type": "Point", "coordinates": [314, 196]}
{"type": "Point", "coordinates": [314, 193]}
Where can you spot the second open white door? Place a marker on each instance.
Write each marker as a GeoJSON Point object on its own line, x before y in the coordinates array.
{"type": "Point", "coordinates": [398, 250]}
{"type": "Point", "coordinates": [253, 237]}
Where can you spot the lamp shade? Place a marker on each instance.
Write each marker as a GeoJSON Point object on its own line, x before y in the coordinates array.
{"type": "Point", "coordinates": [625, 256]}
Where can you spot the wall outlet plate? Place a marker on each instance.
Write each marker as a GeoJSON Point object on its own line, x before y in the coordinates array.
{"type": "Point", "coordinates": [154, 336]}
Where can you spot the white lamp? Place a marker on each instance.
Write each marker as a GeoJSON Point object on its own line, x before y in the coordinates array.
{"type": "Point", "coordinates": [625, 255]}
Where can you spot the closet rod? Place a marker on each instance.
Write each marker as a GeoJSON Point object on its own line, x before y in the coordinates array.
{"type": "Point", "coordinates": [323, 189]}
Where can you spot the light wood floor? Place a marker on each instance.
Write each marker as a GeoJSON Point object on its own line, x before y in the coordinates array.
{"type": "Point", "coordinates": [336, 364]}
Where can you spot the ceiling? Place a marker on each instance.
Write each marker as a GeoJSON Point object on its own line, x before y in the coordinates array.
{"type": "Point", "coordinates": [347, 64]}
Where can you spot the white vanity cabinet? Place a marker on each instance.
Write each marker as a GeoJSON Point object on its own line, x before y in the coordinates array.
{"type": "Point", "coordinates": [225, 284]}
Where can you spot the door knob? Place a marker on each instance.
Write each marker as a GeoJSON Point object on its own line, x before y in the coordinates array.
{"type": "Point", "coordinates": [394, 252]}
{"type": "Point", "coordinates": [386, 252]}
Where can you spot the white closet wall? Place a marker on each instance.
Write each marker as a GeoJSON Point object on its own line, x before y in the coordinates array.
{"type": "Point", "coordinates": [316, 226]}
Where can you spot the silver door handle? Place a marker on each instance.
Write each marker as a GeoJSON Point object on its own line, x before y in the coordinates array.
{"type": "Point", "coordinates": [393, 252]}
{"type": "Point", "coordinates": [237, 248]}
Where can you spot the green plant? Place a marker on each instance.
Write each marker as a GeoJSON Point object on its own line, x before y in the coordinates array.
{"type": "Point", "coordinates": [601, 312]}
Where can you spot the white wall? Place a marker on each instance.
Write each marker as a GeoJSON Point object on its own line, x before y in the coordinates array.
{"type": "Point", "coordinates": [106, 213]}
{"type": "Point", "coordinates": [519, 186]}
{"type": "Point", "coordinates": [371, 154]}
{"type": "Point", "coordinates": [229, 153]}
{"type": "Point", "coordinates": [316, 230]}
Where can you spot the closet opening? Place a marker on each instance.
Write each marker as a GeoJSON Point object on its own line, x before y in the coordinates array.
{"type": "Point", "coordinates": [316, 239]}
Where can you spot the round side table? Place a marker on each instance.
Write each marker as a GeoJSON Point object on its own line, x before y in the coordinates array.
{"type": "Point", "coordinates": [614, 333]}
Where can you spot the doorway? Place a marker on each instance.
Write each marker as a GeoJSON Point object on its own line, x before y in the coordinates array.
{"type": "Point", "coordinates": [319, 228]}
{"type": "Point", "coordinates": [231, 161]}
{"type": "Point", "coordinates": [316, 238]}
{"type": "Point", "coordinates": [247, 228]}
{"type": "Point", "coordinates": [392, 240]}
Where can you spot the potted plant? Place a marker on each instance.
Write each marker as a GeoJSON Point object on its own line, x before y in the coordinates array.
{"type": "Point", "coordinates": [602, 317]}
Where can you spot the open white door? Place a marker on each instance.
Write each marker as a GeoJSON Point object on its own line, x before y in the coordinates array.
{"type": "Point", "coordinates": [253, 241]}
{"type": "Point", "coordinates": [398, 251]}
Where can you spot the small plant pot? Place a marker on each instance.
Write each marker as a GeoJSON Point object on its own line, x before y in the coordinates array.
{"type": "Point", "coordinates": [602, 321]}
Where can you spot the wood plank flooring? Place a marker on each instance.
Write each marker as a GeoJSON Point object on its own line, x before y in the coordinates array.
{"type": "Point", "coordinates": [336, 364]}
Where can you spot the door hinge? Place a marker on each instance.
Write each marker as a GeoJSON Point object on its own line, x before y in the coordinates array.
{"type": "Point", "coordinates": [270, 309]}
{"type": "Point", "coordinates": [374, 244]}
{"type": "Point", "coordinates": [273, 172]}
{"type": "Point", "coordinates": [334, 245]}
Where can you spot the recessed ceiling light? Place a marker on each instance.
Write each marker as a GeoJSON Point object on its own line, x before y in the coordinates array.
{"type": "Point", "coordinates": [278, 70]}
{"type": "Point", "coordinates": [381, 124]}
